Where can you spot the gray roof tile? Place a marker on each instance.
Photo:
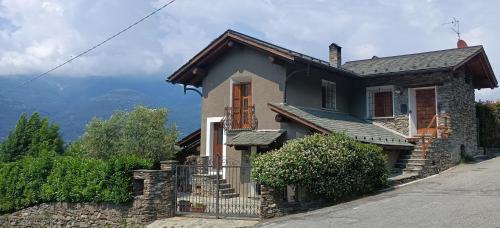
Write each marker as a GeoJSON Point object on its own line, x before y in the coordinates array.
{"type": "Point", "coordinates": [254, 138]}
{"type": "Point", "coordinates": [352, 126]}
{"type": "Point", "coordinates": [413, 62]}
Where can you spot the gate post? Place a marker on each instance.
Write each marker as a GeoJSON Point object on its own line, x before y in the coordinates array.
{"type": "Point", "coordinates": [217, 193]}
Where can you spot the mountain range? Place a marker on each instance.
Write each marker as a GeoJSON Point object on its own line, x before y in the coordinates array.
{"type": "Point", "coordinates": [73, 101]}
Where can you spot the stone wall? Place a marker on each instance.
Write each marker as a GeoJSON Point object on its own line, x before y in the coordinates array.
{"type": "Point", "coordinates": [455, 97]}
{"type": "Point", "coordinates": [154, 199]}
{"type": "Point", "coordinates": [273, 202]}
{"type": "Point", "coordinates": [71, 215]}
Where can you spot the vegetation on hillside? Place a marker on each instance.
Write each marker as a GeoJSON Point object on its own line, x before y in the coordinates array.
{"type": "Point", "coordinates": [97, 168]}
{"type": "Point", "coordinates": [334, 166]}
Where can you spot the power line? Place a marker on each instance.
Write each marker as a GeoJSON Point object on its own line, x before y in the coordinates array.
{"type": "Point", "coordinates": [97, 45]}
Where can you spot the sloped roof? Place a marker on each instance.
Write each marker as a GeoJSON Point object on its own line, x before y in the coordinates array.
{"type": "Point", "coordinates": [326, 121]}
{"type": "Point", "coordinates": [185, 75]}
{"type": "Point", "coordinates": [413, 62]}
{"type": "Point", "coordinates": [255, 138]}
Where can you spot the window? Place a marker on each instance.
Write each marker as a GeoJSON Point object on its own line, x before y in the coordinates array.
{"type": "Point", "coordinates": [380, 102]}
{"type": "Point", "coordinates": [328, 95]}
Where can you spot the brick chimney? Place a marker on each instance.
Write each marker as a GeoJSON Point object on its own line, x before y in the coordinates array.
{"type": "Point", "coordinates": [335, 55]}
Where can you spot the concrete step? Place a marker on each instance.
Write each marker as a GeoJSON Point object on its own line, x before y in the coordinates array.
{"type": "Point", "coordinates": [229, 195]}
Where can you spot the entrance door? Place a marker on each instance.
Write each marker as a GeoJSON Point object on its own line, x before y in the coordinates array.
{"type": "Point", "coordinates": [217, 144]}
{"type": "Point", "coordinates": [425, 102]}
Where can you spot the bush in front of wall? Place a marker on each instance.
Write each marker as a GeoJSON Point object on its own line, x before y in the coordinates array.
{"type": "Point", "coordinates": [53, 178]}
{"type": "Point", "coordinates": [334, 166]}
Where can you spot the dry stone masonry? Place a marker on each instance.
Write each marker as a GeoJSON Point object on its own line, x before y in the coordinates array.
{"type": "Point", "coordinates": [154, 199]}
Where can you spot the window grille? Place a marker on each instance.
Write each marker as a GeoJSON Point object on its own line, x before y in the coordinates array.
{"type": "Point", "coordinates": [328, 95]}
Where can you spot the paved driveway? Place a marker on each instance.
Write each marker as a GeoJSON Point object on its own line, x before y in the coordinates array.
{"type": "Point", "coordinates": [464, 196]}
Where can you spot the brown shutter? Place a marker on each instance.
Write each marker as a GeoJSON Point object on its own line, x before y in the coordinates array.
{"type": "Point", "coordinates": [383, 104]}
{"type": "Point", "coordinates": [236, 106]}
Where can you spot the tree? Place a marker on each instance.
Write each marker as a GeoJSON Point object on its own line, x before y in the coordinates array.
{"type": "Point", "coordinates": [141, 132]}
{"type": "Point", "coordinates": [30, 137]}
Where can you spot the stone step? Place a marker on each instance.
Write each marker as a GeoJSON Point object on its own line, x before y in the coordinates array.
{"type": "Point", "coordinates": [413, 160]}
{"type": "Point", "coordinates": [226, 190]}
{"type": "Point", "coordinates": [229, 195]}
{"type": "Point", "coordinates": [408, 165]}
{"type": "Point", "coordinates": [413, 170]}
{"type": "Point", "coordinates": [412, 156]}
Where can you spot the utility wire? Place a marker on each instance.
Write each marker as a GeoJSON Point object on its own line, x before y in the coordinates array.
{"type": "Point", "coordinates": [97, 45]}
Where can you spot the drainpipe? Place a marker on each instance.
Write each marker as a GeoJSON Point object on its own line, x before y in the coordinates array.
{"type": "Point", "coordinates": [293, 73]}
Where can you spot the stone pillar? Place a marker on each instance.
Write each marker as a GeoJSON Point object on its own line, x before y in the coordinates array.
{"type": "Point", "coordinates": [202, 165]}
{"type": "Point", "coordinates": [168, 165]}
{"type": "Point", "coordinates": [157, 199]}
{"type": "Point", "coordinates": [269, 203]}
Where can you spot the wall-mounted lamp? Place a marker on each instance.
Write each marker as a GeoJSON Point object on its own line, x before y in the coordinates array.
{"type": "Point", "coordinates": [398, 91]}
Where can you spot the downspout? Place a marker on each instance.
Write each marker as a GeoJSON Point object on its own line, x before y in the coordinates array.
{"type": "Point", "coordinates": [287, 77]}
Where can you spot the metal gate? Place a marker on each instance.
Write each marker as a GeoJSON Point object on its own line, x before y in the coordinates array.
{"type": "Point", "coordinates": [216, 189]}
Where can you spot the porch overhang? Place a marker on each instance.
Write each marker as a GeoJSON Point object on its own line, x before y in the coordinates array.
{"type": "Point", "coordinates": [255, 138]}
{"type": "Point", "coordinates": [327, 122]}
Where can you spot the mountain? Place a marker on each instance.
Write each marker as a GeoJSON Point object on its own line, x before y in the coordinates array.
{"type": "Point", "coordinates": [73, 102]}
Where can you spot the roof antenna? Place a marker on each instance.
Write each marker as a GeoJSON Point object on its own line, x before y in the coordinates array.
{"type": "Point", "coordinates": [455, 26]}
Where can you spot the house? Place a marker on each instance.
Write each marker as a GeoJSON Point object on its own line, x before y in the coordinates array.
{"type": "Point", "coordinates": [418, 107]}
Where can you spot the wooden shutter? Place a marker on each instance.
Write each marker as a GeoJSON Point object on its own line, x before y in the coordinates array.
{"type": "Point", "coordinates": [236, 106]}
{"type": "Point", "coordinates": [383, 104]}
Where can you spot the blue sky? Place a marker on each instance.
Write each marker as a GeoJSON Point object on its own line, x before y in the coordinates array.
{"type": "Point", "coordinates": [36, 35]}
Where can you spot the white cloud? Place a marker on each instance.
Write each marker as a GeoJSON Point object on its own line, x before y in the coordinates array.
{"type": "Point", "coordinates": [38, 34]}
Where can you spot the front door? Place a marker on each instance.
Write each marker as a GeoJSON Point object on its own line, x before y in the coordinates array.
{"type": "Point", "coordinates": [217, 144]}
{"type": "Point", "coordinates": [425, 102]}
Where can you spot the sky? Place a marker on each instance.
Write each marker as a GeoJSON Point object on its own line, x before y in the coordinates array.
{"type": "Point", "coordinates": [36, 35]}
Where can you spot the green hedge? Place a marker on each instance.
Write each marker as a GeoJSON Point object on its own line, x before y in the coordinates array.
{"type": "Point", "coordinates": [334, 166]}
{"type": "Point", "coordinates": [50, 178]}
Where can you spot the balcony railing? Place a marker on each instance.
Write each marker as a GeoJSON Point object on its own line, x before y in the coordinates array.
{"type": "Point", "coordinates": [239, 118]}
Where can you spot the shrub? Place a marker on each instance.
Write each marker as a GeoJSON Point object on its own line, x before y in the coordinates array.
{"type": "Point", "coordinates": [49, 177]}
{"type": "Point", "coordinates": [334, 166]}
{"type": "Point", "coordinates": [21, 181]}
{"type": "Point", "coordinates": [75, 179]}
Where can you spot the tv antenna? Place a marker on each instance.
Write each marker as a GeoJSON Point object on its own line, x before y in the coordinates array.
{"type": "Point", "coordinates": [455, 26]}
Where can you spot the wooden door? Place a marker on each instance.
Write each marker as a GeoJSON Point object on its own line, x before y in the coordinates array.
{"type": "Point", "coordinates": [425, 100]}
{"type": "Point", "coordinates": [217, 144]}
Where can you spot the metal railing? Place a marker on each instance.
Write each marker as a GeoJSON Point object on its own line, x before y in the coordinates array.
{"type": "Point", "coordinates": [239, 118]}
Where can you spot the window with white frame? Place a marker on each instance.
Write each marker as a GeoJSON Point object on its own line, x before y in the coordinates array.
{"type": "Point", "coordinates": [380, 101]}
{"type": "Point", "coordinates": [328, 95]}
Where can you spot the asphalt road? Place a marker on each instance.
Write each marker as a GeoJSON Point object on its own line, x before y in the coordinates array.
{"type": "Point", "coordinates": [464, 196]}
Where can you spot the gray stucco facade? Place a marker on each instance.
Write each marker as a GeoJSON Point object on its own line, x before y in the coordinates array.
{"type": "Point", "coordinates": [282, 76]}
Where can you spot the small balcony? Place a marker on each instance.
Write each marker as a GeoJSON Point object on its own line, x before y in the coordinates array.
{"type": "Point", "coordinates": [239, 118]}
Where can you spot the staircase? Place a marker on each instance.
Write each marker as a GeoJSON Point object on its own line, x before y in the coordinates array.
{"type": "Point", "coordinates": [412, 163]}
{"type": "Point", "coordinates": [225, 189]}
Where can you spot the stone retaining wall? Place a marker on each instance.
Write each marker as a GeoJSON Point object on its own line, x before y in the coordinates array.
{"type": "Point", "coordinates": [154, 199]}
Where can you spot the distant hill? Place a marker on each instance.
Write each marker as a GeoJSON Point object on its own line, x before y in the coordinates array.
{"type": "Point", "coordinates": [72, 102]}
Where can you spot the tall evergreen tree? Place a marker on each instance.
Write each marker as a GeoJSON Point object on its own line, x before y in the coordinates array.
{"type": "Point", "coordinates": [30, 137]}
